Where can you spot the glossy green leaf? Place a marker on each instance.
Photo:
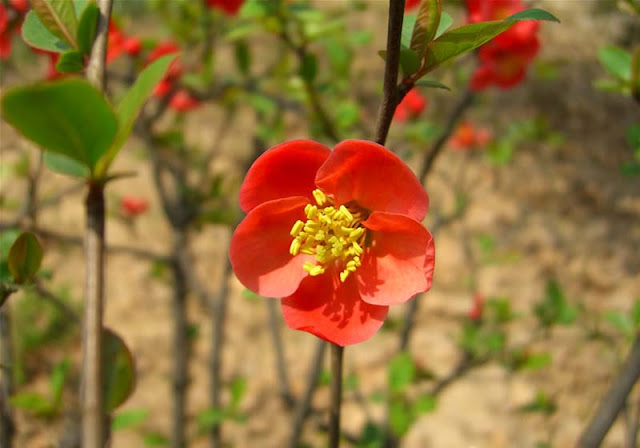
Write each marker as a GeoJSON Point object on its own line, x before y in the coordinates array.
{"type": "Point", "coordinates": [401, 372]}
{"type": "Point", "coordinates": [130, 106]}
{"type": "Point", "coordinates": [7, 238]}
{"type": "Point", "coordinates": [616, 61]}
{"type": "Point", "coordinates": [469, 37]}
{"type": "Point", "coordinates": [87, 27]}
{"type": "Point", "coordinates": [409, 62]}
{"type": "Point", "coordinates": [65, 165]}
{"type": "Point", "coordinates": [36, 35]}
{"type": "Point", "coordinates": [67, 117]}
{"type": "Point", "coordinates": [408, 23]}
{"type": "Point", "coordinates": [427, 22]}
{"type": "Point", "coordinates": [59, 17]}
{"type": "Point", "coordinates": [25, 257]}
{"type": "Point", "coordinates": [71, 61]}
{"type": "Point", "coordinates": [119, 371]}
{"type": "Point", "coordinates": [432, 83]}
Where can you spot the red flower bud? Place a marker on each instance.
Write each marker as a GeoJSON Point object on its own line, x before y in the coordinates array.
{"type": "Point", "coordinates": [183, 101]}
{"type": "Point", "coordinates": [133, 206]}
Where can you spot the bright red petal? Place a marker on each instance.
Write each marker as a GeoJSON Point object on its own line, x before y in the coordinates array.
{"type": "Point", "coordinates": [285, 170]}
{"type": "Point", "coordinates": [374, 177]}
{"type": "Point", "coordinates": [332, 310]}
{"type": "Point", "coordinates": [399, 262]}
{"type": "Point", "coordinates": [259, 249]}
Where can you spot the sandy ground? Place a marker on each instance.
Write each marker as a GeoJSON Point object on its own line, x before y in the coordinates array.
{"type": "Point", "coordinates": [558, 211]}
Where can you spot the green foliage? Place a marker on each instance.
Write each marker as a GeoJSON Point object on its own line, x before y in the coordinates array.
{"type": "Point", "coordinates": [627, 323]}
{"type": "Point", "coordinates": [59, 17]}
{"type": "Point", "coordinates": [129, 419]}
{"type": "Point", "coordinates": [213, 416]}
{"type": "Point", "coordinates": [623, 69]}
{"type": "Point", "coordinates": [68, 117]}
{"type": "Point", "coordinates": [45, 406]}
{"type": "Point", "coordinates": [36, 35]}
{"type": "Point", "coordinates": [25, 257]}
{"type": "Point", "coordinates": [7, 238]}
{"type": "Point", "coordinates": [119, 374]}
{"type": "Point", "coordinates": [554, 309]}
{"type": "Point", "coordinates": [401, 372]}
{"type": "Point", "coordinates": [87, 28]}
{"type": "Point", "coordinates": [542, 404]}
{"type": "Point", "coordinates": [426, 25]}
{"type": "Point", "coordinates": [131, 105]}
{"type": "Point", "coordinates": [71, 61]}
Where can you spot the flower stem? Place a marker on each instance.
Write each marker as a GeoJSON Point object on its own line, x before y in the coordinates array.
{"type": "Point", "coordinates": [336, 395]}
{"type": "Point", "coordinates": [390, 90]}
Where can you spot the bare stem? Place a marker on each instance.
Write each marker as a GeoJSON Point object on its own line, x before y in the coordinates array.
{"type": "Point", "coordinates": [390, 90]}
{"type": "Point", "coordinates": [281, 364]}
{"type": "Point", "coordinates": [180, 350]}
{"type": "Point", "coordinates": [6, 374]}
{"type": "Point", "coordinates": [93, 430]}
{"type": "Point", "coordinates": [336, 395]}
{"type": "Point", "coordinates": [97, 60]}
{"type": "Point", "coordinates": [613, 401]}
{"type": "Point", "coordinates": [304, 405]}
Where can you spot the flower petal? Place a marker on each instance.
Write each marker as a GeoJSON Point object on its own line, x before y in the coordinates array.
{"type": "Point", "coordinates": [332, 310]}
{"type": "Point", "coordinates": [259, 249]}
{"type": "Point", "coordinates": [399, 263]}
{"type": "Point", "coordinates": [374, 177]}
{"type": "Point", "coordinates": [288, 169]}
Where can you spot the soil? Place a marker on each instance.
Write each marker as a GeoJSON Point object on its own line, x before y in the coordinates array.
{"type": "Point", "coordinates": [556, 211]}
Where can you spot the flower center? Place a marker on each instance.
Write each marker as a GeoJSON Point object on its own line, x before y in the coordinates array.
{"type": "Point", "coordinates": [332, 234]}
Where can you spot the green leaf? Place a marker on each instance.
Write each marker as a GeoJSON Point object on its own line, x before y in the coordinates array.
{"type": "Point", "coordinates": [238, 387]}
{"type": "Point", "coordinates": [469, 37]}
{"type": "Point", "coordinates": [554, 308]}
{"type": "Point", "coordinates": [25, 257]}
{"type": "Point", "coordinates": [399, 417]}
{"type": "Point", "coordinates": [401, 372]}
{"type": "Point", "coordinates": [210, 417]}
{"type": "Point", "coordinates": [119, 371]}
{"type": "Point", "coordinates": [633, 136]}
{"type": "Point", "coordinates": [129, 419]}
{"type": "Point", "coordinates": [533, 14]}
{"type": "Point", "coordinates": [56, 383]}
{"type": "Point", "coordinates": [67, 117]}
{"type": "Point", "coordinates": [620, 321]}
{"type": "Point", "coordinates": [36, 35]}
{"type": "Point", "coordinates": [432, 83]}
{"type": "Point", "coordinates": [155, 439]}
{"type": "Point", "coordinates": [130, 106]}
{"type": "Point", "coordinates": [87, 27]}
{"type": "Point", "coordinates": [426, 26]}
{"type": "Point", "coordinates": [536, 361]}
{"type": "Point", "coordinates": [71, 61]}
{"type": "Point", "coordinates": [616, 61]}
{"type": "Point", "coordinates": [309, 67]}
{"type": "Point", "coordinates": [409, 62]}
{"type": "Point", "coordinates": [65, 165]}
{"type": "Point", "coordinates": [59, 17]}
{"type": "Point", "coordinates": [408, 24]}
{"type": "Point", "coordinates": [445, 22]}
{"type": "Point", "coordinates": [635, 314]}
{"type": "Point", "coordinates": [425, 404]}
{"type": "Point", "coordinates": [34, 403]}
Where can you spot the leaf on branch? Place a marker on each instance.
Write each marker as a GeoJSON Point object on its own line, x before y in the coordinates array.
{"type": "Point", "coordinates": [25, 257]}
{"type": "Point", "coordinates": [426, 26]}
{"type": "Point", "coordinates": [59, 17]}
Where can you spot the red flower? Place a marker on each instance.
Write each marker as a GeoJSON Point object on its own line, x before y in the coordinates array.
{"type": "Point", "coordinates": [411, 106]}
{"type": "Point", "coordinates": [229, 7]}
{"type": "Point", "coordinates": [336, 234]}
{"type": "Point", "coordinates": [475, 313]}
{"type": "Point", "coordinates": [411, 4]}
{"type": "Point", "coordinates": [467, 136]}
{"type": "Point", "coordinates": [504, 60]}
{"type": "Point", "coordinates": [132, 206]}
{"type": "Point", "coordinates": [182, 101]}
{"type": "Point", "coordinates": [132, 46]}
{"type": "Point", "coordinates": [175, 69]}
{"type": "Point", "coordinates": [5, 33]}
{"type": "Point", "coordinates": [119, 43]}
{"type": "Point", "coordinates": [21, 6]}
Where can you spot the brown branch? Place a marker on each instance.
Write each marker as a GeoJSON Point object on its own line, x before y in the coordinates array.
{"type": "Point", "coordinates": [613, 401]}
{"type": "Point", "coordinates": [390, 91]}
{"type": "Point", "coordinates": [337, 354]}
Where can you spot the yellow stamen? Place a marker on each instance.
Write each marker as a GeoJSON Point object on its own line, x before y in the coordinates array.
{"type": "Point", "coordinates": [333, 235]}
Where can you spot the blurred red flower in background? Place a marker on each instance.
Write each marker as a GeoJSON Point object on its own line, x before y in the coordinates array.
{"type": "Point", "coordinates": [183, 101]}
{"type": "Point", "coordinates": [466, 136]}
{"type": "Point", "coordinates": [229, 7]}
{"type": "Point", "coordinates": [503, 60]}
{"type": "Point", "coordinates": [411, 106]}
{"type": "Point", "coordinates": [11, 16]}
{"type": "Point", "coordinates": [175, 70]}
{"type": "Point", "coordinates": [119, 43]}
{"type": "Point", "coordinates": [132, 206]}
{"type": "Point", "coordinates": [337, 234]}
{"type": "Point", "coordinates": [410, 4]}
{"type": "Point", "coordinates": [477, 308]}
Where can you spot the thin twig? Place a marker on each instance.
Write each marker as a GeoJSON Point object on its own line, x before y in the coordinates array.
{"type": "Point", "coordinates": [97, 59]}
{"type": "Point", "coordinates": [458, 111]}
{"type": "Point", "coordinates": [390, 91]}
{"type": "Point", "coordinates": [303, 409]}
{"type": "Point", "coordinates": [613, 401]}
{"type": "Point", "coordinates": [7, 428]}
{"type": "Point", "coordinates": [281, 364]}
{"type": "Point", "coordinates": [335, 402]}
